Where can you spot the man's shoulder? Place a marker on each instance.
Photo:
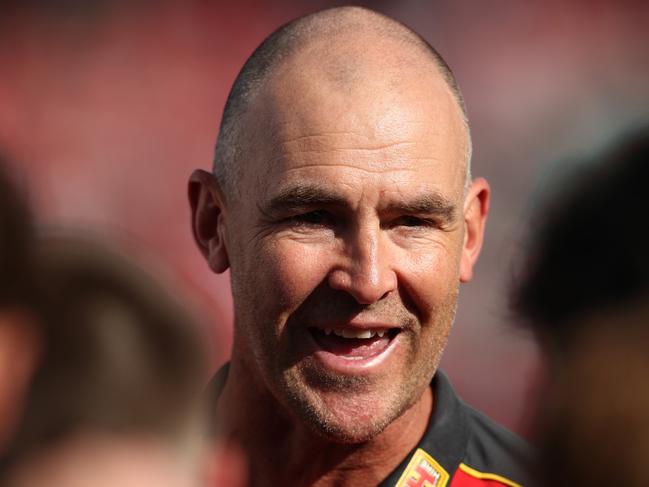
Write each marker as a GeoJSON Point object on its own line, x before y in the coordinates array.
{"type": "Point", "coordinates": [463, 448]}
{"type": "Point", "coordinates": [493, 453]}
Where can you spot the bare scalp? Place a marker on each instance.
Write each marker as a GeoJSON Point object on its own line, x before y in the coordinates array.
{"type": "Point", "coordinates": [346, 48]}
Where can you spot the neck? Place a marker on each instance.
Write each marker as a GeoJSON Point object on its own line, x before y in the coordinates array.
{"type": "Point", "coordinates": [282, 451]}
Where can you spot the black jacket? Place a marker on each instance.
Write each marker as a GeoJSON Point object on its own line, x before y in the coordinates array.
{"type": "Point", "coordinates": [460, 448]}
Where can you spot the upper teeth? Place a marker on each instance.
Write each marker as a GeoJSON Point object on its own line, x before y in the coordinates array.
{"type": "Point", "coordinates": [347, 333]}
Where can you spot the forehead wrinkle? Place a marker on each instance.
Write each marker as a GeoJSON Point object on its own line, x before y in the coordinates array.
{"type": "Point", "coordinates": [279, 125]}
{"type": "Point", "coordinates": [282, 151]}
{"type": "Point", "coordinates": [377, 147]}
{"type": "Point", "coordinates": [379, 170]}
{"type": "Point", "coordinates": [322, 144]}
{"type": "Point", "coordinates": [303, 158]}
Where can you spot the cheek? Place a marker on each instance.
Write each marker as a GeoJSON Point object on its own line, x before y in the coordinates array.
{"type": "Point", "coordinates": [292, 270]}
{"type": "Point", "coordinates": [430, 279]}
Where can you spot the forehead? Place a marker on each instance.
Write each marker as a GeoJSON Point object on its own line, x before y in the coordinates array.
{"type": "Point", "coordinates": [395, 122]}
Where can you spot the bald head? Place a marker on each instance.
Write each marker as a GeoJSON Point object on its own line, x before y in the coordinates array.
{"type": "Point", "coordinates": [345, 49]}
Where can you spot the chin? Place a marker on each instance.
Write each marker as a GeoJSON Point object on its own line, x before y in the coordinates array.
{"type": "Point", "coordinates": [348, 432]}
{"type": "Point", "coordinates": [345, 418]}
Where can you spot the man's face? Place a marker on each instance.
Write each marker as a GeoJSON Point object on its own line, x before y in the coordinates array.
{"type": "Point", "coordinates": [345, 244]}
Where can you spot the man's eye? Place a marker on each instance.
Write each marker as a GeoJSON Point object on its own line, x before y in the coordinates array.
{"type": "Point", "coordinates": [311, 218]}
{"type": "Point", "coordinates": [411, 221]}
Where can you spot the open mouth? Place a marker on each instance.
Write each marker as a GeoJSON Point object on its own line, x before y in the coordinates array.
{"type": "Point", "coordinates": [353, 343]}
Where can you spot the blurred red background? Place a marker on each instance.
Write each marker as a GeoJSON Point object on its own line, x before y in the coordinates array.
{"type": "Point", "coordinates": [107, 106]}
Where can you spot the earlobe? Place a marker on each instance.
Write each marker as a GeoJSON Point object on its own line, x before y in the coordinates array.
{"type": "Point", "coordinates": [208, 219]}
{"type": "Point", "coordinates": [476, 209]}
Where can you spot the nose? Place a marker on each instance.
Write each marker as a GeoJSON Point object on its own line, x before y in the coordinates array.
{"type": "Point", "coordinates": [367, 271]}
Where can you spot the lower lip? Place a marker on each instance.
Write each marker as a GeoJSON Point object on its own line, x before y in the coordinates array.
{"type": "Point", "coordinates": [354, 361]}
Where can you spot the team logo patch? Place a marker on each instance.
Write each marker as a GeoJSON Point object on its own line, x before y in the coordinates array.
{"type": "Point", "coordinates": [423, 471]}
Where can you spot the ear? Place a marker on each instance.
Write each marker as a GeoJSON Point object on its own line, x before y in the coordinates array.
{"type": "Point", "coordinates": [476, 209]}
{"type": "Point", "coordinates": [208, 219]}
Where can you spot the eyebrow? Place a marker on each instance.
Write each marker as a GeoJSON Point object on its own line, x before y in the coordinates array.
{"type": "Point", "coordinates": [300, 196]}
{"type": "Point", "coordinates": [431, 203]}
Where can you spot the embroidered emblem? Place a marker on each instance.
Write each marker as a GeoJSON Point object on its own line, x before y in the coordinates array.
{"type": "Point", "coordinates": [423, 471]}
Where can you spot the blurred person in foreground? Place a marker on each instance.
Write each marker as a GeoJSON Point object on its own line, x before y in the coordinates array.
{"type": "Point", "coordinates": [342, 203]}
{"type": "Point", "coordinates": [115, 393]}
{"type": "Point", "coordinates": [584, 290]}
{"type": "Point", "coordinates": [19, 332]}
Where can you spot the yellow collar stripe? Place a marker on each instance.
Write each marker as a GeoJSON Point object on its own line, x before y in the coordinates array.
{"type": "Point", "coordinates": [487, 476]}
